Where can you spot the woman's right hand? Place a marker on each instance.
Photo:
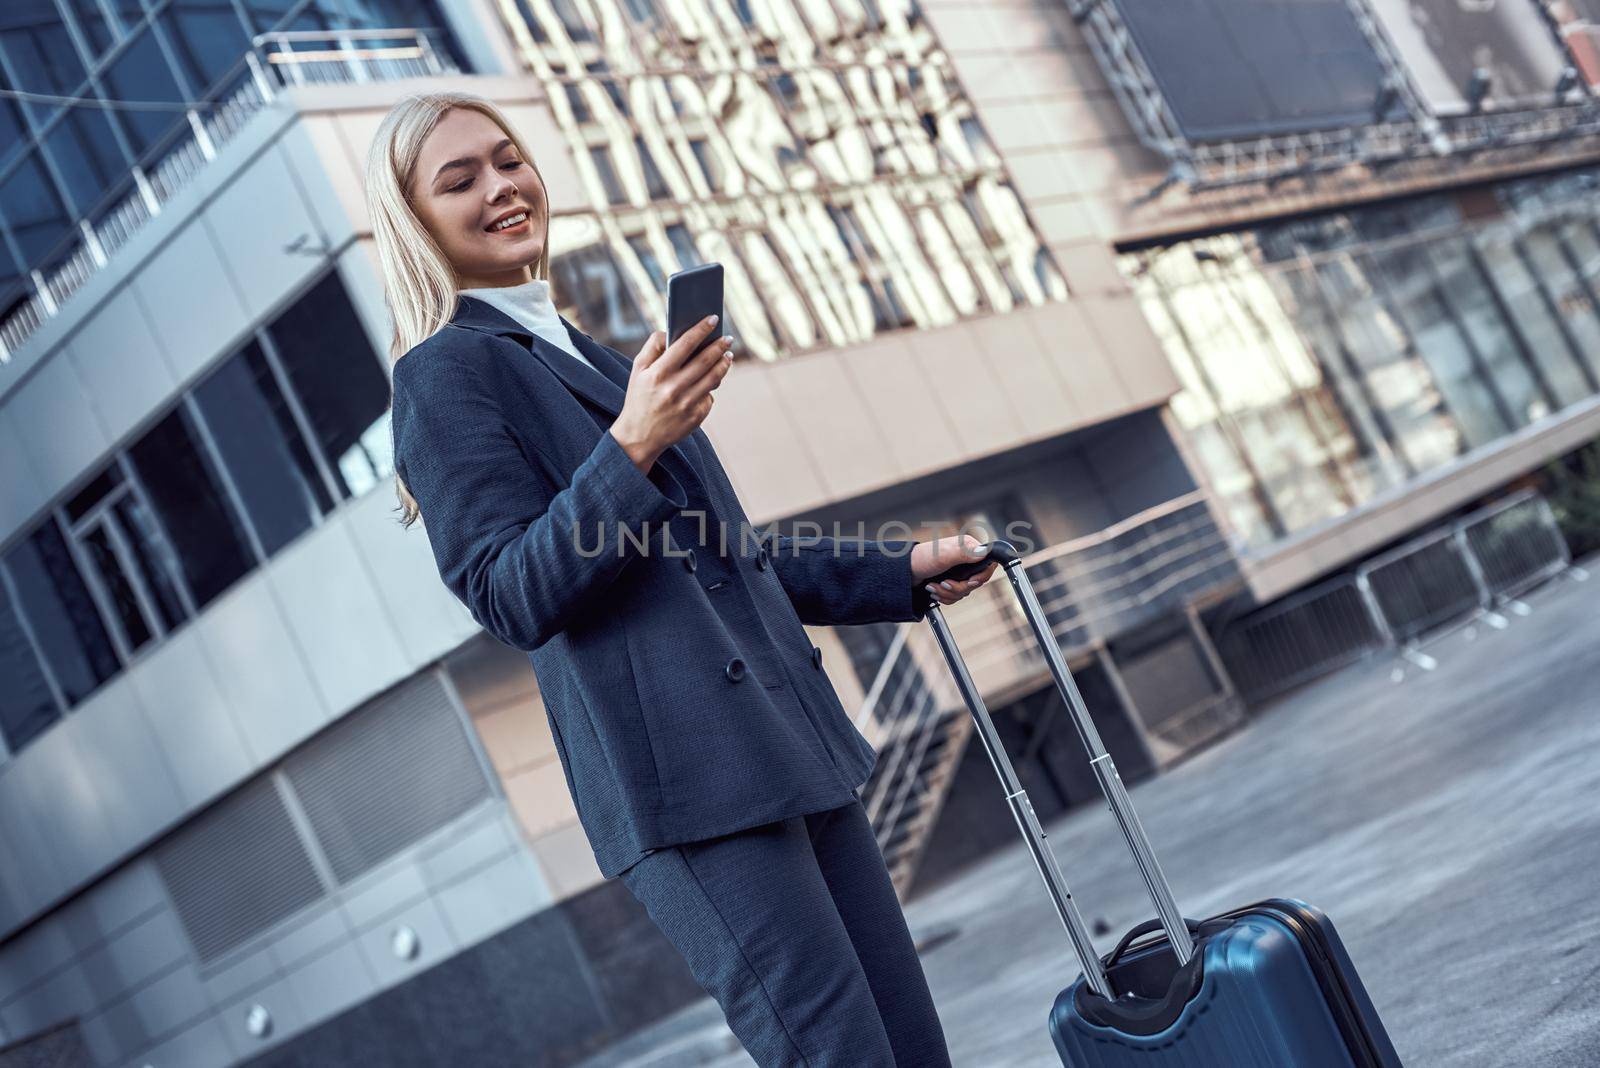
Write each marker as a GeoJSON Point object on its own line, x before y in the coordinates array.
{"type": "Point", "coordinates": [669, 391]}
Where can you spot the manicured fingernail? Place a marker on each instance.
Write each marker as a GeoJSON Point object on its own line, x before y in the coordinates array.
{"type": "Point", "coordinates": [946, 585]}
{"type": "Point", "coordinates": [713, 319]}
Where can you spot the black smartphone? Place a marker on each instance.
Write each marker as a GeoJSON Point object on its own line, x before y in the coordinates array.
{"type": "Point", "coordinates": [692, 295]}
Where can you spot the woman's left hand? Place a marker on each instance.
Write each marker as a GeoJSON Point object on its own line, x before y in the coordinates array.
{"type": "Point", "coordinates": [929, 558]}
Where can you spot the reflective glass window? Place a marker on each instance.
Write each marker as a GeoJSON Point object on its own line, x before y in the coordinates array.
{"type": "Point", "coordinates": [378, 14]}
{"type": "Point", "coordinates": [206, 37]}
{"type": "Point", "coordinates": [127, 614]}
{"type": "Point", "coordinates": [190, 502]}
{"type": "Point", "coordinates": [40, 51]}
{"type": "Point", "coordinates": [335, 374]}
{"type": "Point", "coordinates": [151, 557]}
{"type": "Point", "coordinates": [649, 261]}
{"type": "Point", "coordinates": [27, 706]}
{"type": "Point", "coordinates": [654, 184]}
{"type": "Point", "coordinates": [13, 132]}
{"type": "Point", "coordinates": [1327, 359]}
{"type": "Point", "coordinates": [594, 295]}
{"type": "Point", "coordinates": [97, 489]}
{"type": "Point", "coordinates": [92, 24]}
{"type": "Point", "coordinates": [707, 161]}
{"type": "Point", "coordinates": [580, 109]}
{"type": "Point", "coordinates": [683, 245]}
{"type": "Point", "coordinates": [141, 73]}
{"type": "Point", "coordinates": [263, 449]}
{"type": "Point", "coordinates": [1510, 272]}
{"type": "Point", "coordinates": [1559, 269]}
{"type": "Point", "coordinates": [38, 217]}
{"type": "Point", "coordinates": [1492, 341]}
{"type": "Point", "coordinates": [87, 157]}
{"type": "Point", "coordinates": [66, 623]}
{"type": "Point", "coordinates": [642, 11]}
{"type": "Point", "coordinates": [572, 20]}
{"type": "Point", "coordinates": [600, 155]}
{"type": "Point", "coordinates": [272, 15]}
{"type": "Point", "coordinates": [765, 115]}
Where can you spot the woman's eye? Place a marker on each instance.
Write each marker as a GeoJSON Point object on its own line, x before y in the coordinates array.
{"type": "Point", "coordinates": [459, 186]}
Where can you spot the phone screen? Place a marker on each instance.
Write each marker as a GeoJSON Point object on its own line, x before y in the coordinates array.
{"type": "Point", "coordinates": [692, 295]}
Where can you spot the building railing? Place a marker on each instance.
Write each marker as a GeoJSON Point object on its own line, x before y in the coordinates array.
{"type": "Point", "coordinates": [1091, 588]}
{"type": "Point", "coordinates": [276, 61]}
{"type": "Point", "coordinates": [1460, 574]}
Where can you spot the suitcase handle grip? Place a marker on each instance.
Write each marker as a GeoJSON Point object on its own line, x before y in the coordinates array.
{"type": "Point", "coordinates": [994, 552]}
{"type": "Point", "coordinates": [1138, 932]}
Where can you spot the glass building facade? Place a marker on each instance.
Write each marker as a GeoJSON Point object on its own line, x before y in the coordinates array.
{"type": "Point", "coordinates": [822, 151]}
{"type": "Point", "coordinates": [260, 450]}
{"type": "Point", "coordinates": [61, 164]}
{"type": "Point", "coordinates": [1327, 359]}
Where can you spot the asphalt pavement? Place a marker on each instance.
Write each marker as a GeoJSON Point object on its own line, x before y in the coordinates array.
{"type": "Point", "coordinates": [1449, 824]}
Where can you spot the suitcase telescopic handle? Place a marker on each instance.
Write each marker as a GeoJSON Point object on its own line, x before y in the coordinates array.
{"type": "Point", "coordinates": [1105, 769]}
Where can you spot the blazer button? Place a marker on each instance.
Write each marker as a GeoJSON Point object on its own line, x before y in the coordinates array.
{"type": "Point", "coordinates": [734, 670]}
{"type": "Point", "coordinates": [688, 561]}
{"type": "Point", "coordinates": [761, 558]}
{"type": "Point", "coordinates": [816, 658]}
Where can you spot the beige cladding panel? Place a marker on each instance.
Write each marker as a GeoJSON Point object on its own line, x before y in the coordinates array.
{"type": "Point", "coordinates": [909, 399]}
{"type": "Point", "coordinates": [1133, 346]}
{"type": "Point", "coordinates": [1027, 373]}
{"type": "Point", "coordinates": [825, 426]}
{"type": "Point", "coordinates": [848, 445]}
{"type": "Point", "coordinates": [540, 799]}
{"type": "Point", "coordinates": [969, 390]}
{"type": "Point", "coordinates": [762, 445]}
{"type": "Point", "coordinates": [567, 862]}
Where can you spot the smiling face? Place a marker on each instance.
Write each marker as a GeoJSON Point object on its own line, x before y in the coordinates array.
{"type": "Point", "coordinates": [469, 176]}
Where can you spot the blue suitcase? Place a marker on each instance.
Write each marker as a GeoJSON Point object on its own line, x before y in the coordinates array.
{"type": "Point", "coordinates": [1265, 986]}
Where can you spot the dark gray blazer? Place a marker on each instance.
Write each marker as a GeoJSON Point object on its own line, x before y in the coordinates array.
{"type": "Point", "coordinates": [685, 699]}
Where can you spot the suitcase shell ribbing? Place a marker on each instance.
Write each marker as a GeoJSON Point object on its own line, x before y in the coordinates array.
{"type": "Point", "coordinates": [1277, 991]}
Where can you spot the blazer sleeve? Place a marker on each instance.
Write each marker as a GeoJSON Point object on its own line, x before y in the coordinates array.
{"type": "Point", "coordinates": [523, 554]}
{"type": "Point", "coordinates": [837, 582]}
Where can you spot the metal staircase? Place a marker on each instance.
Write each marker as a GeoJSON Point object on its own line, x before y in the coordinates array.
{"type": "Point", "coordinates": [1091, 589]}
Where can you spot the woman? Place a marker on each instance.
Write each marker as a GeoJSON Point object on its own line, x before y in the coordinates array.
{"type": "Point", "coordinates": [575, 506]}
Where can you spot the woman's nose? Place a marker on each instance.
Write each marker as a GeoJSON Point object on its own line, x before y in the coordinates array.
{"type": "Point", "coordinates": [502, 189]}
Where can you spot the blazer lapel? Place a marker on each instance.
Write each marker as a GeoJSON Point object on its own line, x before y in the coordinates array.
{"type": "Point", "coordinates": [605, 385]}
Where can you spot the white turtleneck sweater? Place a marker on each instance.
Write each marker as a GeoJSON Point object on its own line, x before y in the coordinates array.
{"type": "Point", "coordinates": [529, 304]}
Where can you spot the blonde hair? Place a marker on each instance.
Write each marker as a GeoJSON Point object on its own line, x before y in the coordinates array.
{"type": "Point", "coordinates": [419, 284]}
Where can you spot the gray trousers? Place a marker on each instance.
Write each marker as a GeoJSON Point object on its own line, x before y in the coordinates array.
{"type": "Point", "coordinates": [794, 928]}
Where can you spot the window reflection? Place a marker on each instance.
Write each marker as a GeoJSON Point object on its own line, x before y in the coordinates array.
{"type": "Point", "coordinates": [331, 365]}
{"type": "Point", "coordinates": [588, 286]}
{"type": "Point", "coordinates": [185, 491]}
{"type": "Point", "coordinates": [32, 209]}
{"type": "Point", "coordinates": [1326, 360]}
{"type": "Point", "coordinates": [86, 156]}
{"type": "Point", "coordinates": [255, 431]}
{"type": "Point", "coordinates": [821, 151]}
{"type": "Point", "coordinates": [66, 624]}
{"type": "Point", "coordinates": [127, 614]}
{"type": "Point", "coordinates": [140, 72]}
{"type": "Point", "coordinates": [27, 706]}
{"type": "Point", "coordinates": [92, 24]}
